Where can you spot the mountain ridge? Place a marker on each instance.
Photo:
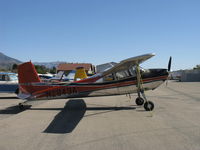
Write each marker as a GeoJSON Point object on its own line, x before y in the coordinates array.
{"type": "Point", "coordinates": [6, 62]}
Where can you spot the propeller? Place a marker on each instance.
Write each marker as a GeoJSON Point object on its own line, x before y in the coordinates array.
{"type": "Point", "coordinates": [169, 64]}
{"type": "Point", "coordinates": [169, 68]}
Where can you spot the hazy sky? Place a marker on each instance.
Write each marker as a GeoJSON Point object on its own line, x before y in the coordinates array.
{"type": "Point", "coordinates": [100, 31]}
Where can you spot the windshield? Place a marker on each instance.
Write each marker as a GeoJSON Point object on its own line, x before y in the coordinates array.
{"type": "Point", "coordinates": [143, 70]}
{"type": "Point", "coordinates": [13, 77]}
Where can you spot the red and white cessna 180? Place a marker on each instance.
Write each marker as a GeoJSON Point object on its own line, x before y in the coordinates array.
{"type": "Point", "coordinates": [125, 77]}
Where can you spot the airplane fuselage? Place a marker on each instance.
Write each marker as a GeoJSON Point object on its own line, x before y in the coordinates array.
{"type": "Point", "coordinates": [151, 79]}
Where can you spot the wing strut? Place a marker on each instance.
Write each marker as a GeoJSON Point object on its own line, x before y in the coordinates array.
{"type": "Point", "coordinates": [148, 105]}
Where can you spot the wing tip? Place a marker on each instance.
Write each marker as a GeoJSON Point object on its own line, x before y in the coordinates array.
{"type": "Point", "coordinates": [149, 54]}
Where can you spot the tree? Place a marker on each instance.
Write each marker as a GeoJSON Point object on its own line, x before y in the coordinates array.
{"type": "Point", "coordinates": [197, 67]}
{"type": "Point", "coordinates": [41, 69]}
{"type": "Point", "coordinates": [14, 68]}
{"type": "Point", "coordinates": [53, 70]}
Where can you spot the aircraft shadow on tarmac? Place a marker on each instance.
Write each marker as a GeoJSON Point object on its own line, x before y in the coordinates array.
{"type": "Point", "coordinates": [69, 117]}
{"type": "Point", "coordinates": [11, 98]}
{"type": "Point", "coordinates": [13, 110]}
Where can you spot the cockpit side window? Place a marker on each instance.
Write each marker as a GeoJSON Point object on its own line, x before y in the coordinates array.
{"type": "Point", "coordinates": [125, 73]}
{"type": "Point", "coordinates": [122, 74]}
{"type": "Point", "coordinates": [132, 71]}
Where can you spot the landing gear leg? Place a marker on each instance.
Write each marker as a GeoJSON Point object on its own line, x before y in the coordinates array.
{"type": "Point", "coordinates": [148, 105]}
{"type": "Point", "coordinates": [139, 101]}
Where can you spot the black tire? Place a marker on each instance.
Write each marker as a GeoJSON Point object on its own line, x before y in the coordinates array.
{"type": "Point", "coordinates": [21, 106]}
{"type": "Point", "coordinates": [139, 101]}
{"type": "Point", "coordinates": [148, 106]}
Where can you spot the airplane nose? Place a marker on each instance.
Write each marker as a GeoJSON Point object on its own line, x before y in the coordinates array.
{"type": "Point", "coordinates": [160, 72]}
{"type": "Point", "coordinates": [165, 72]}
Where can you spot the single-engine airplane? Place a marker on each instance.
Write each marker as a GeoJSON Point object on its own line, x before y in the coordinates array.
{"type": "Point", "coordinates": [126, 77]}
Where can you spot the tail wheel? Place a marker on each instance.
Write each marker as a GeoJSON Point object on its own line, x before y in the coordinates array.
{"type": "Point", "coordinates": [21, 106]}
{"type": "Point", "coordinates": [139, 101]}
{"type": "Point", "coordinates": [148, 106]}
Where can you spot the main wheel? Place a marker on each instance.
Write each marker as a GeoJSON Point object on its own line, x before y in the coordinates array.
{"type": "Point", "coordinates": [148, 106]}
{"type": "Point", "coordinates": [139, 101]}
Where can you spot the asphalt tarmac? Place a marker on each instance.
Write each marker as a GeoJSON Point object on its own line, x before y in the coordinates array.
{"type": "Point", "coordinates": [105, 123]}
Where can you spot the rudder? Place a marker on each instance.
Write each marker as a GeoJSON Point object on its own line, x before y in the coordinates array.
{"type": "Point", "coordinates": [27, 73]}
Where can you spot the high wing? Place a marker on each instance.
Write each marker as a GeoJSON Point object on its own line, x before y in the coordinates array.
{"type": "Point", "coordinates": [127, 63]}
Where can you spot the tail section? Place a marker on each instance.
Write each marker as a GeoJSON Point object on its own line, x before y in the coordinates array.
{"type": "Point", "coordinates": [27, 73]}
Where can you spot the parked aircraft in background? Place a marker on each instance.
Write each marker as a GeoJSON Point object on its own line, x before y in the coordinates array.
{"type": "Point", "coordinates": [125, 77]}
{"type": "Point", "coordinates": [45, 77]}
{"type": "Point", "coordinates": [8, 83]}
{"type": "Point", "coordinates": [73, 75]}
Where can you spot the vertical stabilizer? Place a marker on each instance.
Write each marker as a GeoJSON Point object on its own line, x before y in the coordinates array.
{"type": "Point", "coordinates": [27, 73]}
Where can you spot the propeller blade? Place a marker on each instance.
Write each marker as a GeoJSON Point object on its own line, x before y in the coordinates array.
{"type": "Point", "coordinates": [169, 64]}
{"type": "Point", "coordinates": [169, 68]}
